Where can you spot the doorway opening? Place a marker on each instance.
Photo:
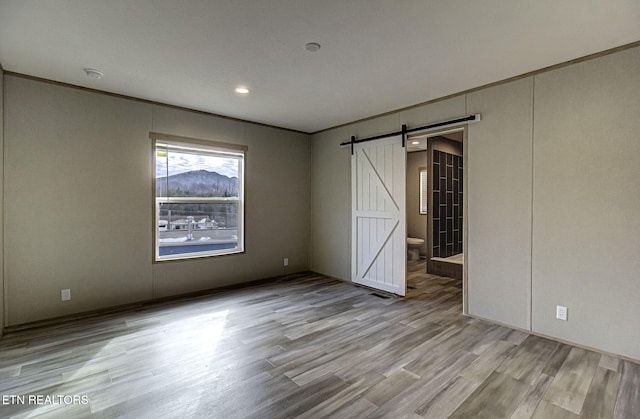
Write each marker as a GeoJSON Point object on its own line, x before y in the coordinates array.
{"type": "Point", "coordinates": [435, 207]}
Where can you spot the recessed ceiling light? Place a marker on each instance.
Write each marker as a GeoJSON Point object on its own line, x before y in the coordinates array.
{"type": "Point", "coordinates": [312, 46]}
{"type": "Point", "coordinates": [93, 73]}
{"type": "Point", "coordinates": [242, 90]}
{"type": "Point", "coordinates": [415, 142]}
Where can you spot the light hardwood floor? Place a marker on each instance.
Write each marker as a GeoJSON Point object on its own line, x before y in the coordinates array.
{"type": "Point", "coordinates": [309, 346]}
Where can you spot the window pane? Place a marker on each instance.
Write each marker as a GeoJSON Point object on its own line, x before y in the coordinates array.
{"type": "Point", "coordinates": [188, 174]}
{"type": "Point", "coordinates": [423, 192]}
{"type": "Point", "coordinates": [187, 228]}
{"type": "Point", "coordinates": [199, 197]}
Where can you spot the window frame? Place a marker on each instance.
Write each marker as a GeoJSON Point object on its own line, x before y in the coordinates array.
{"type": "Point", "coordinates": [214, 147]}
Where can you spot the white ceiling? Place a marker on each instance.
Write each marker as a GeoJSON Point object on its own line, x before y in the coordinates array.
{"type": "Point", "coordinates": [376, 55]}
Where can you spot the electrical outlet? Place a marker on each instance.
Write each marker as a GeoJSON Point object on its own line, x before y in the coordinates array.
{"type": "Point", "coordinates": [561, 313]}
{"type": "Point", "coordinates": [65, 295]}
{"type": "Point", "coordinates": [286, 262]}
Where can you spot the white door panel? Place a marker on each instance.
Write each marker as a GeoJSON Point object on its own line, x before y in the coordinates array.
{"type": "Point", "coordinates": [378, 179]}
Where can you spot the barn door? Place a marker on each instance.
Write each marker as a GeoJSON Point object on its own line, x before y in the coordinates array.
{"type": "Point", "coordinates": [378, 215]}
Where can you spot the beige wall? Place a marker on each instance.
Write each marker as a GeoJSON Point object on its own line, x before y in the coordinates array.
{"type": "Point", "coordinates": [416, 222]}
{"type": "Point", "coordinates": [498, 163]}
{"type": "Point", "coordinates": [586, 207]}
{"type": "Point", "coordinates": [552, 199]}
{"type": "Point", "coordinates": [331, 204]}
{"type": "Point", "coordinates": [78, 201]}
{"type": "Point", "coordinates": [2, 305]}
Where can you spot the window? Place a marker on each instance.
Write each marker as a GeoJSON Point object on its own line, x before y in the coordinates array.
{"type": "Point", "coordinates": [424, 192]}
{"type": "Point", "coordinates": [198, 198]}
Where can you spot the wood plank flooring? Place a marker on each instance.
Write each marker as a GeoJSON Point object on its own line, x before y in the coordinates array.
{"type": "Point", "coordinates": [307, 346]}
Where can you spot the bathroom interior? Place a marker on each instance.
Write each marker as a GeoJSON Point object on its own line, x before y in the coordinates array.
{"type": "Point", "coordinates": [435, 205]}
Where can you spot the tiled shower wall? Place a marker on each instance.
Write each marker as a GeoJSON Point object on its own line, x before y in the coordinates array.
{"type": "Point", "coordinates": [447, 204]}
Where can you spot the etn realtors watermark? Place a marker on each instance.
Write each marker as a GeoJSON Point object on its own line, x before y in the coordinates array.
{"type": "Point", "coordinates": [42, 399]}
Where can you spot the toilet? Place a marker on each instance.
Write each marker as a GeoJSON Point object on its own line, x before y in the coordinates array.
{"type": "Point", "coordinates": [413, 247]}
